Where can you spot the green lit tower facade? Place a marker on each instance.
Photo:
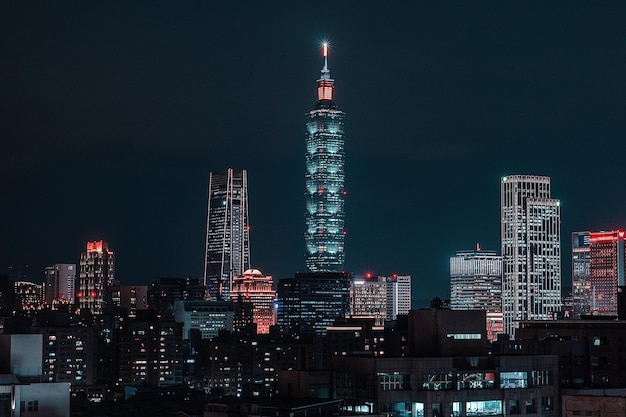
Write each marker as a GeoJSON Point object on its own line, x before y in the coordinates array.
{"type": "Point", "coordinates": [325, 191]}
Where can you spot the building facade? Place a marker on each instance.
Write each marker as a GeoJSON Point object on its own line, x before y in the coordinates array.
{"type": "Point", "coordinates": [29, 295]}
{"type": "Point", "coordinates": [97, 273]}
{"type": "Point", "coordinates": [368, 297]}
{"type": "Point", "coordinates": [324, 180]}
{"type": "Point", "coordinates": [531, 250]}
{"type": "Point", "coordinates": [399, 297]}
{"type": "Point", "coordinates": [256, 288]}
{"type": "Point", "coordinates": [476, 284]}
{"type": "Point", "coordinates": [381, 297]}
{"type": "Point", "coordinates": [59, 283]}
{"type": "Point", "coordinates": [209, 317]}
{"type": "Point", "coordinates": [581, 284]}
{"type": "Point", "coordinates": [311, 302]}
{"type": "Point", "coordinates": [606, 270]}
{"type": "Point", "coordinates": [227, 253]}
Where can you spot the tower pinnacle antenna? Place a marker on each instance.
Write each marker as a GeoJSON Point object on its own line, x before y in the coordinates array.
{"type": "Point", "coordinates": [325, 45]}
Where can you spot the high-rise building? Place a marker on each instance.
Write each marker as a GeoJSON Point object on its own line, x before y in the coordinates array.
{"type": "Point", "coordinates": [97, 273]}
{"type": "Point", "coordinates": [383, 298]}
{"type": "Point", "coordinates": [368, 297]}
{"type": "Point", "coordinates": [311, 302]}
{"type": "Point", "coordinates": [606, 270]}
{"type": "Point", "coordinates": [227, 252]}
{"type": "Point", "coordinates": [398, 296]}
{"type": "Point", "coordinates": [59, 281]}
{"type": "Point", "coordinates": [256, 288]}
{"type": "Point", "coordinates": [324, 178]}
{"type": "Point", "coordinates": [476, 284]}
{"type": "Point", "coordinates": [581, 285]}
{"type": "Point", "coordinates": [531, 250]}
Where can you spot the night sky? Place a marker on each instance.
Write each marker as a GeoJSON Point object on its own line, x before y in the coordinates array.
{"type": "Point", "coordinates": [112, 114]}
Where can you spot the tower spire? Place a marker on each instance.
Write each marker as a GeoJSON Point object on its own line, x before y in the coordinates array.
{"type": "Point", "coordinates": [325, 85]}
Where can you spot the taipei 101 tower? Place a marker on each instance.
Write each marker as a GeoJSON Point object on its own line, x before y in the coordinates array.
{"type": "Point", "coordinates": [325, 192]}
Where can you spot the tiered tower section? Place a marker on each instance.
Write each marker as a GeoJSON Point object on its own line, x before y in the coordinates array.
{"type": "Point", "coordinates": [325, 191]}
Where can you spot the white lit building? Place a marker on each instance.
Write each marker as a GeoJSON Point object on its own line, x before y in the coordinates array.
{"type": "Point", "coordinates": [531, 250]}
{"type": "Point", "coordinates": [207, 316]}
{"type": "Point", "coordinates": [398, 296]}
{"type": "Point", "coordinates": [476, 284]}
{"type": "Point", "coordinates": [581, 284]}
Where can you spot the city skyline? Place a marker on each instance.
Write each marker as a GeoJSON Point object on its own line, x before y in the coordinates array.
{"type": "Point", "coordinates": [140, 103]}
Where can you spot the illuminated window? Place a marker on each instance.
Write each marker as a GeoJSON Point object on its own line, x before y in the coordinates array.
{"type": "Point", "coordinates": [437, 381]}
{"type": "Point", "coordinates": [391, 382]}
{"type": "Point", "coordinates": [513, 380]}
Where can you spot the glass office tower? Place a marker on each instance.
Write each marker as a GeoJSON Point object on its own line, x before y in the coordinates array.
{"type": "Point", "coordinates": [227, 232]}
{"type": "Point", "coordinates": [325, 192]}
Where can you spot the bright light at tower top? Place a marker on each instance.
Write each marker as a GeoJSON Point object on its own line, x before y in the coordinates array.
{"type": "Point", "coordinates": [325, 46]}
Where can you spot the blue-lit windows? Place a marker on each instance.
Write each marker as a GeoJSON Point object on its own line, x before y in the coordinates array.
{"type": "Point", "coordinates": [475, 380]}
{"type": "Point", "coordinates": [513, 380]}
{"type": "Point", "coordinates": [392, 382]}
{"type": "Point", "coordinates": [436, 381]}
{"type": "Point", "coordinates": [483, 408]}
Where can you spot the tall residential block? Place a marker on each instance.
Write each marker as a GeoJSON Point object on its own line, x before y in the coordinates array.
{"type": "Point", "coordinates": [97, 273]}
{"type": "Point", "coordinates": [476, 284]}
{"type": "Point", "coordinates": [531, 250]}
{"type": "Point", "coordinates": [398, 295]}
{"type": "Point", "coordinates": [59, 282]}
{"type": "Point", "coordinates": [581, 284]}
{"type": "Point", "coordinates": [606, 270]}
{"type": "Point", "coordinates": [324, 180]}
{"type": "Point", "coordinates": [227, 252]}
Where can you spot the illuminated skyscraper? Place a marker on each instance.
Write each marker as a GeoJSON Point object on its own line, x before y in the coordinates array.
{"type": "Point", "coordinates": [325, 192]}
{"type": "Point", "coordinates": [531, 250]}
{"type": "Point", "coordinates": [581, 285]}
{"type": "Point", "coordinates": [606, 270]}
{"type": "Point", "coordinates": [97, 272]}
{"type": "Point", "coordinates": [227, 252]}
{"type": "Point", "coordinates": [476, 284]}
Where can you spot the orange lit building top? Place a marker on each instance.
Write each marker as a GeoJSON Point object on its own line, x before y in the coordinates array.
{"type": "Point", "coordinates": [97, 246]}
